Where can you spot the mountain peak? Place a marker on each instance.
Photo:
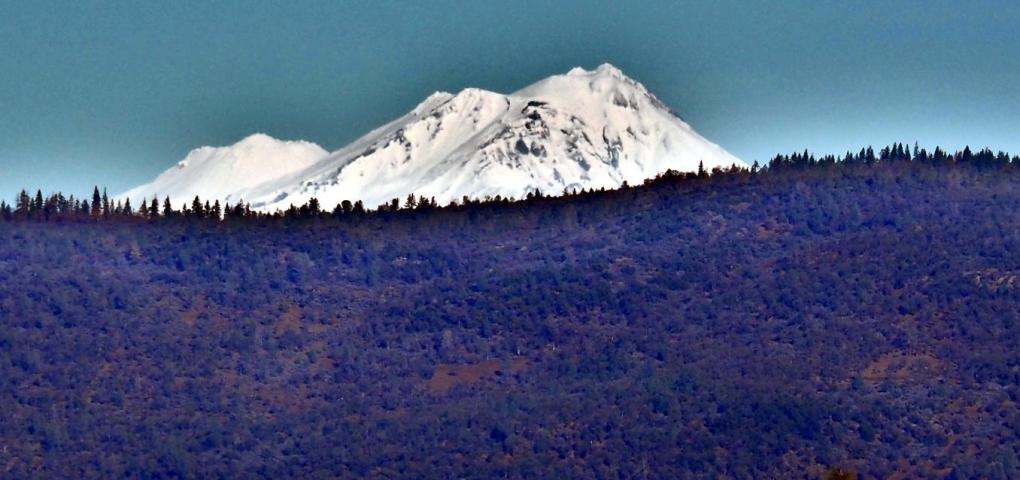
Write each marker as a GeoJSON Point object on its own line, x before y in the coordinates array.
{"type": "Point", "coordinates": [579, 82]}
{"type": "Point", "coordinates": [606, 69]}
{"type": "Point", "coordinates": [609, 69]}
{"type": "Point", "coordinates": [476, 92]}
{"type": "Point", "coordinates": [476, 96]}
{"type": "Point", "coordinates": [256, 140]}
{"type": "Point", "coordinates": [430, 102]}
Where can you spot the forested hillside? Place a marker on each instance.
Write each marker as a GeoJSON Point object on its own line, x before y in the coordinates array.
{"type": "Point", "coordinates": [859, 314]}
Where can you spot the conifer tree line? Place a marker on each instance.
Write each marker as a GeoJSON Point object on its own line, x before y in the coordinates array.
{"type": "Point", "coordinates": [100, 207]}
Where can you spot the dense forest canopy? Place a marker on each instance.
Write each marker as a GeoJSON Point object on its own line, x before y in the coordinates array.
{"type": "Point", "coordinates": [59, 206]}
{"type": "Point", "coordinates": [856, 313]}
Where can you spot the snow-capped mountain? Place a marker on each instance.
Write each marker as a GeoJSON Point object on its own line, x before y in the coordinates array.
{"type": "Point", "coordinates": [220, 172]}
{"type": "Point", "coordinates": [584, 129]}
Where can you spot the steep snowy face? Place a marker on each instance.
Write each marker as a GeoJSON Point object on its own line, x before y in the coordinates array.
{"type": "Point", "coordinates": [584, 129]}
{"type": "Point", "coordinates": [218, 173]}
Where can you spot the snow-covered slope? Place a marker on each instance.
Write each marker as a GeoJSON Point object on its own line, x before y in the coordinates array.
{"type": "Point", "coordinates": [584, 129]}
{"type": "Point", "coordinates": [220, 172]}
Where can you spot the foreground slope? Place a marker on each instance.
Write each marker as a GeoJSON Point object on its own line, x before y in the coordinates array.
{"type": "Point", "coordinates": [768, 326]}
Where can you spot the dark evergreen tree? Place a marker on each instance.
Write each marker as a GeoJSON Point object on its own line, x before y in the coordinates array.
{"type": "Point", "coordinates": [106, 204]}
{"type": "Point", "coordinates": [23, 205]}
{"type": "Point", "coordinates": [168, 210]}
{"type": "Point", "coordinates": [196, 207]}
{"type": "Point", "coordinates": [96, 202]}
{"type": "Point", "coordinates": [967, 156]}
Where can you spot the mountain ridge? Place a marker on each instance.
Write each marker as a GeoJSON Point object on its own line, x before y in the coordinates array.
{"type": "Point", "coordinates": [583, 129]}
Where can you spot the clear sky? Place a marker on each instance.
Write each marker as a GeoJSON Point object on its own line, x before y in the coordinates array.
{"type": "Point", "coordinates": [112, 93]}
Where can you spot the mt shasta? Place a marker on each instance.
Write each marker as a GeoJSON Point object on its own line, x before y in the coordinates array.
{"type": "Point", "coordinates": [583, 129]}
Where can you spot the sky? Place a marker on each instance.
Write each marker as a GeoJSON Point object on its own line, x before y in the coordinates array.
{"type": "Point", "coordinates": [112, 93]}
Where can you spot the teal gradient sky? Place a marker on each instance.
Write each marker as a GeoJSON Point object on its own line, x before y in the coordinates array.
{"type": "Point", "coordinates": [112, 93]}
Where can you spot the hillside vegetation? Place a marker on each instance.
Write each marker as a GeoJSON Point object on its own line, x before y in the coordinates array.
{"type": "Point", "coordinates": [859, 314]}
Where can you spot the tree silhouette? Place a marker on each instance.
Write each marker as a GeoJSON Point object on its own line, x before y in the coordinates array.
{"type": "Point", "coordinates": [196, 207]}
{"type": "Point", "coordinates": [106, 204]}
{"type": "Point", "coordinates": [23, 205]}
{"type": "Point", "coordinates": [96, 202]}
{"type": "Point", "coordinates": [216, 212]}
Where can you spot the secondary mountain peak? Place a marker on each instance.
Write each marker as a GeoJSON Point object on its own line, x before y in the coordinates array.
{"type": "Point", "coordinates": [218, 172]}
{"type": "Point", "coordinates": [257, 140]}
